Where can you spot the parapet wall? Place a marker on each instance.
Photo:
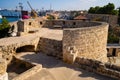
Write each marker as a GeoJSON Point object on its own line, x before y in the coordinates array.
{"type": "Point", "coordinates": [30, 23]}
{"type": "Point", "coordinates": [9, 50]}
{"type": "Point", "coordinates": [98, 67]}
{"type": "Point", "coordinates": [50, 47]}
{"type": "Point", "coordinates": [23, 27]}
{"type": "Point", "coordinates": [87, 42]}
{"type": "Point", "coordinates": [68, 24]}
{"type": "Point", "coordinates": [111, 19]}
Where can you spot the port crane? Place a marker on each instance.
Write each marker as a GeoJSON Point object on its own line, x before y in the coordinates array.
{"type": "Point", "coordinates": [33, 12]}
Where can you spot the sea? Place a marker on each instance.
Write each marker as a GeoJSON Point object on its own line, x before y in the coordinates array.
{"type": "Point", "coordinates": [11, 19]}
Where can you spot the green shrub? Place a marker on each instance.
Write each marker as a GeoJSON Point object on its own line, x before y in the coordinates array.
{"type": "Point", "coordinates": [112, 38]}
{"type": "Point", "coordinates": [4, 28]}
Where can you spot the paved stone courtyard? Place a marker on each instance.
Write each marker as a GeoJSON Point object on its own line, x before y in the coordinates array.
{"type": "Point", "coordinates": [54, 69]}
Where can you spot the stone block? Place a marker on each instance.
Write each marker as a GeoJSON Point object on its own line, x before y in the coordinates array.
{"type": "Point", "coordinates": [21, 33]}
{"type": "Point", "coordinates": [70, 55]}
{"type": "Point", "coordinates": [3, 66]}
{"type": "Point", "coordinates": [4, 76]}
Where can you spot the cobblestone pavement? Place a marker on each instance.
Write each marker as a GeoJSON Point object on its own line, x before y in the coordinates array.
{"type": "Point", "coordinates": [54, 69]}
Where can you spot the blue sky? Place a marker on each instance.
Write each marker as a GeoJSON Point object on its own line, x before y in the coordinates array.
{"type": "Point", "coordinates": [57, 4]}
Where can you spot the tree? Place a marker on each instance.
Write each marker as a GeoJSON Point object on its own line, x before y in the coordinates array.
{"type": "Point", "coordinates": [119, 11]}
{"type": "Point", "coordinates": [115, 12]}
{"type": "Point", "coordinates": [91, 10]}
{"type": "Point", "coordinates": [112, 38]}
{"type": "Point", "coordinates": [4, 28]}
{"type": "Point", "coordinates": [107, 9]}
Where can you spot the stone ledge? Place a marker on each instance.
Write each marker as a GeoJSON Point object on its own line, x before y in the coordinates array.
{"type": "Point", "coordinates": [97, 67]}
{"type": "Point", "coordinates": [28, 73]}
{"type": "Point", "coordinates": [4, 76]}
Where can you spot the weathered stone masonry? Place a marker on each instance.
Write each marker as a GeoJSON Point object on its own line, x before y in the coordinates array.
{"type": "Point", "coordinates": [9, 50]}
{"type": "Point", "coordinates": [84, 39]}
{"type": "Point", "coordinates": [86, 42]}
{"type": "Point", "coordinates": [105, 69]}
{"type": "Point", "coordinates": [3, 68]}
{"type": "Point", "coordinates": [83, 44]}
{"type": "Point", "coordinates": [111, 19]}
{"type": "Point", "coordinates": [50, 47]}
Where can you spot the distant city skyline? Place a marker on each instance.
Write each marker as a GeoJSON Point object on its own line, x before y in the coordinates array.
{"type": "Point", "coordinates": [57, 4]}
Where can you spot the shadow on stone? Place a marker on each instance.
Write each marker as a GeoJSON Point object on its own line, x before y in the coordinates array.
{"type": "Point", "coordinates": [55, 64]}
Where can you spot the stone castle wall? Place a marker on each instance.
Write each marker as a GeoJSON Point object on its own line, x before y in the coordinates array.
{"type": "Point", "coordinates": [105, 69]}
{"type": "Point", "coordinates": [87, 42]}
{"type": "Point", "coordinates": [111, 19]}
{"type": "Point", "coordinates": [50, 47]}
{"type": "Point", "coordinates": [82, 38]}
{"type": "Point", "coordinates": [23, 27]}
{"type": "Point", "coordinates": [68, 24]}
{"type": "Point", "coordinates": [29, 23]}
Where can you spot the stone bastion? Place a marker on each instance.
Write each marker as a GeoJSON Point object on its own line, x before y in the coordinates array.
{"type": "Point", "coordinates": [82, 39]}
{"type": "Point", "coordinates": [87, 40]}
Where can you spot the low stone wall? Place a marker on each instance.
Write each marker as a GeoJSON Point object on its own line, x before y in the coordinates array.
{"type": "Point", "coordinates": [111, 19]}
{"type": "Point", "coordinates": [32, 69]}
{"type": "Point", "coordinates": [98, 67]}
{"type": "Point", "coordinates": [112, 66]}
{"type": "Point", "coordinates": [9, 50]}
{"type": "Point", "coordinates": [68, 23]}
{"type": "Point", "coordinates": [28, 73]}
{"type": "Point", "coordinates": [50, 47]}
{"type": "Point", "coordinates": [22, 27]}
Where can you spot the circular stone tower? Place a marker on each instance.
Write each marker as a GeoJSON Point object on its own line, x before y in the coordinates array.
{"type": "Point", "coordinates": [85, 40]}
